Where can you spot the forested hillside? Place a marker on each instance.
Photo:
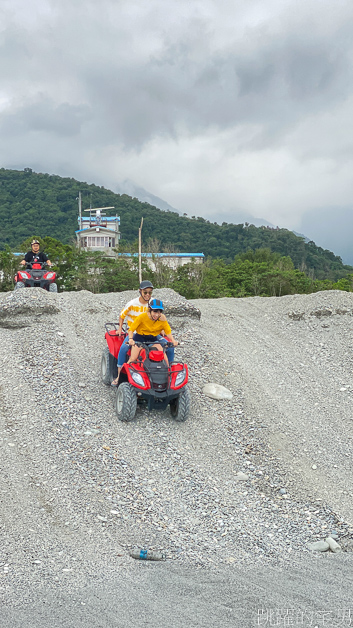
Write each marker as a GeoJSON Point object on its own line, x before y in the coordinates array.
{"type": "Point", "coordinates": [46, 205]}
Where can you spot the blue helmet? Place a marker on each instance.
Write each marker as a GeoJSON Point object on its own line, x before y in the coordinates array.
{"type": "Point", "coordinates": [155, 304]}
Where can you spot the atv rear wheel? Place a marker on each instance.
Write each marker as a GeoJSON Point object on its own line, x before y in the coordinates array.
{"type": "Point", "coordinates": [125, 402]}
{"type": "Point", "coordinates": [180, 407]}
{"type": "Point", "coordinates": [53, 287]}
{"type": "Point", "coordinates": [106, 374]}
{"type": "Point", "coordinates": [19, 285]}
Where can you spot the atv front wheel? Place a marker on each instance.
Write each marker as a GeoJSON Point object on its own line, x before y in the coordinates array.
{"type": "Point", "coordinates": [53, 287]}
{"type": "Point", "coordinates": [106, 374]}
{"type": "Point", "coordinates": [125, 402]}
{"type": "Point", "coordinates": [19, 285]}
{"type": "Point", "coordinates": [180, 407]}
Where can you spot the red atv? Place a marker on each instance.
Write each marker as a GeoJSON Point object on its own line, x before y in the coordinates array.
{"type": "Point", "coordinates": [147, 380]}
{"type": "Point", "coordinates": [35, 276]}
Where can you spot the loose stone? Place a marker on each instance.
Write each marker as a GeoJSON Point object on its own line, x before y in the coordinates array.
{"type": "Point", "coordinates": [216, 391]}
{"type": "Point", "coordinates": [241, 476]}
{"type": "Point", "coordinates": [318, 546]}
{"type": "Point", "coordinates": [333, 545]}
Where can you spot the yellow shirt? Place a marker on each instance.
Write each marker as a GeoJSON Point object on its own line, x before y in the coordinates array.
{"type": "Point", "coordinates": [146, 327]}
{"type": "Point", "coordinates": [132, 310]}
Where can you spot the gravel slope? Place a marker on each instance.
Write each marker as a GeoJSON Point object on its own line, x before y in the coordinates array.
{"type": "Point", "coordinates": [293, 359]}
{"type": "Point", "coordinates": [79, 489]}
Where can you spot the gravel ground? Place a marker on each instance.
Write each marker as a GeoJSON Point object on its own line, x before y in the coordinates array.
{"type": "Point", "coordinates": [80, 489]}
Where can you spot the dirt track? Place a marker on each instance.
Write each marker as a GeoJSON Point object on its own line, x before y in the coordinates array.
{"type": "Point", "coordinates": [79, 489]}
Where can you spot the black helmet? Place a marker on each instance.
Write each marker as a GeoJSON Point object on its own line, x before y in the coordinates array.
{"type": "Point", "coordinates": [35, 242]}
{"type": "Point", "coordinates": [156, 304]}
{"type": "Point", "coordinates": [145, 284]}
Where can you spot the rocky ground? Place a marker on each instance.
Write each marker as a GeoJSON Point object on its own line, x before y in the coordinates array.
{"type": "Point", "coordinates": [248, 481]}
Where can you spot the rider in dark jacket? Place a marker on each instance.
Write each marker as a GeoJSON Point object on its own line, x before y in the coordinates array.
{"type": "Point", "coordinates": [35, 256]}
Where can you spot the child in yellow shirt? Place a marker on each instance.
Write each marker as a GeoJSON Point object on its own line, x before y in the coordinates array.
{"type": "Point", "coordinates": [147, 326]}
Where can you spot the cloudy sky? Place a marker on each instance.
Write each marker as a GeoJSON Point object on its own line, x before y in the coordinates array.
{"type": "Point", "coordinates": [219, 107]}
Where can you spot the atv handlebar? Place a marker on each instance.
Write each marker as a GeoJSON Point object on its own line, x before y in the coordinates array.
{"type": "Point", "coordinates": [29, 265]}
{"type": "Point", "coordinates": [148, 345]}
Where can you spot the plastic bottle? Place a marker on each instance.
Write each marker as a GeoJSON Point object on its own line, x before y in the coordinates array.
{"type": "Point", "coordinates": [141, 554]}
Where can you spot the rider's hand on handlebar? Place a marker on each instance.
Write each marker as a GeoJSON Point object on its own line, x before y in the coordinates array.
{"type": "Point", "coordinates": [131, 342]}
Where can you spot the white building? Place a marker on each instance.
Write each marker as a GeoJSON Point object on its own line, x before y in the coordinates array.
{"type": "Point", "coordinates": [98, 232]}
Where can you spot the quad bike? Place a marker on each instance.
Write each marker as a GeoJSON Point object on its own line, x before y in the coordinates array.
{"type": "Point", "coordinates": [147, 380]}
{"type": "Point", "coordinates": [35, 276]}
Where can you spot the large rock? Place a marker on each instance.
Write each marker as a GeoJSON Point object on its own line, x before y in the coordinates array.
{"type": "Point", "coordinates": [216, 391]}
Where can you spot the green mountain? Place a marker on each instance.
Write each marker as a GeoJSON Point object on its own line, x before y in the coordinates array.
{"type": "Point", "coordinates": [46, 205]}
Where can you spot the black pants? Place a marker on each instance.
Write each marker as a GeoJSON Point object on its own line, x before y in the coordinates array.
{"type": "Point", "coordinates": [141, 338]}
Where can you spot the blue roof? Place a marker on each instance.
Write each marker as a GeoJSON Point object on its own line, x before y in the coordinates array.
{"type": "Point", "coordinates": [164, 254]}
{"type": "Point", "coordinates": [101, 228]}
{"type": "Point", "coordinates": [102, 218]}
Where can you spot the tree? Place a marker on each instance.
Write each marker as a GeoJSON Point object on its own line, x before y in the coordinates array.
{"type": "Point", "coordinates": [8, 269]}
{"type": "Point", "coordinates": [46, 204]}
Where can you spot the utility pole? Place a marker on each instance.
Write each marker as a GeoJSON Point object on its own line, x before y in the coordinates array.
{"type": "Point", "coordinates": [80, 208]}
{"type": "Point", "coordinates": [140, 268]}
{"type": "Point", "coordinates": [79, 215]}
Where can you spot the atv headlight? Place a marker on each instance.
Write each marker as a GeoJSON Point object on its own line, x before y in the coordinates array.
{"type": "Point", "coordinates": [180, 377]}
{"type": "Point", "coordinates": [138, 379]}
{"type": "Point", "coordinates": [50, 275]}
{"type": "Point", "coordinates": [24, 275]}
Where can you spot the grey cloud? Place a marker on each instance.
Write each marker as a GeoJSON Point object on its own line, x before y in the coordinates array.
{"type": "Point", "coordinates": [45, 116]}
{"type": "Point", "coordinates": [273, 87]}
{"type": "Point", "coordinates": [264, 80]}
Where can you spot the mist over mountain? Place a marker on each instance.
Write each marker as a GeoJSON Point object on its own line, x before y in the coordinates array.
{"type": "Point", "coordinates": [236, 216]}
{"type": "Point", "coordinates": [136, 191]}
{"type": "Point", "coordinates": [331, 228]}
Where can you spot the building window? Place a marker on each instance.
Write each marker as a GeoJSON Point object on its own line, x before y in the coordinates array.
{"type": "Point", "coordinates": [98, 241]}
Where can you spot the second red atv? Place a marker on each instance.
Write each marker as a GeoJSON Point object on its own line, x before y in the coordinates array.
{"type": "Point", "coordinates": [148, 380]}
{"type": "Point", "coordinates": [35, 276]}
